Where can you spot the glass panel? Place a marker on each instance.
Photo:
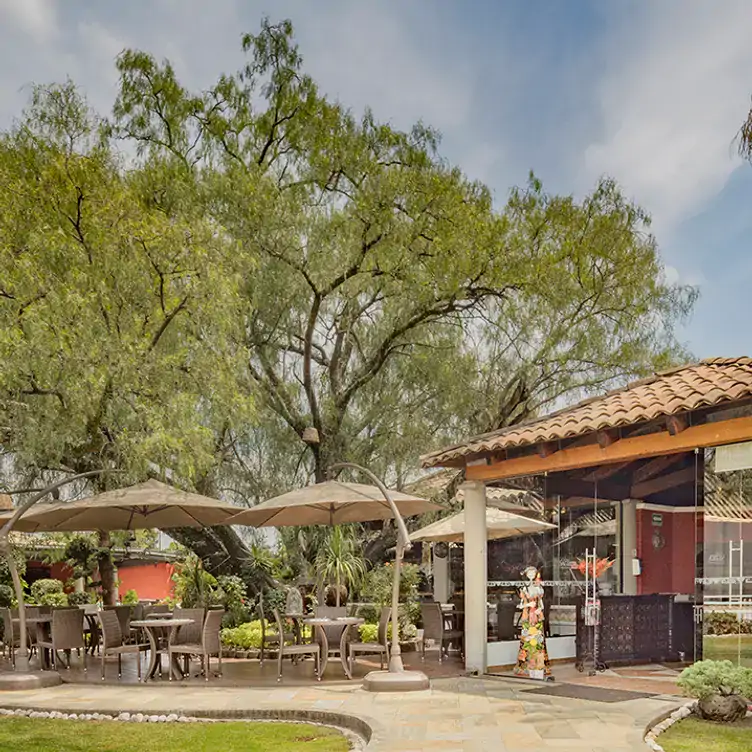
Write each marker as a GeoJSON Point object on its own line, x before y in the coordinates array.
{"type": "Point", "coordinates": [727, 561]}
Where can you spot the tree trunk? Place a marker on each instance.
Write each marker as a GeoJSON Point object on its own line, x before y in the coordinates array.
{"type": "Point", "coordinates": [106, 569]}
{"type": "Point", "coordinates": [338, 588]}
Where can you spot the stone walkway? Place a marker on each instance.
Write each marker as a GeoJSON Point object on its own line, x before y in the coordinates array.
{"type": "Point", "coordinates": [464, 714]}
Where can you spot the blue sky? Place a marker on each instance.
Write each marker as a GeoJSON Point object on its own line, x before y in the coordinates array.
{"type": "Point", "coordinates": [651, 93]}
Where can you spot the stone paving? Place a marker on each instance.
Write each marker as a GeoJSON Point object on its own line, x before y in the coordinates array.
{"type": "Point", "coordinates": [462, 714]}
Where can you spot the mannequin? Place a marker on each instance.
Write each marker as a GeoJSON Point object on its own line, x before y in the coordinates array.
{"type": "Point", "coordinates": [532, 660]}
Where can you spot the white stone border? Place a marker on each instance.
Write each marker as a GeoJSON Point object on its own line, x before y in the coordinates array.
{"type": "Point", "coordinates": [679, 714]}
{"type": "Point", "coordinates": [354, 740]}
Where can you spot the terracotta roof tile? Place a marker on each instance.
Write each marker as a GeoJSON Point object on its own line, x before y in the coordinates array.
{"type": "Point", "coordinates": [709, 382]}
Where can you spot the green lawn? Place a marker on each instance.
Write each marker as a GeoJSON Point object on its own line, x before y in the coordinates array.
{"type": "Point", "coordinates": [36, 734]}
{"type": "Point", "coordinates": [728, 647]}
{"type": "Point", "coordinates": [694, 735]}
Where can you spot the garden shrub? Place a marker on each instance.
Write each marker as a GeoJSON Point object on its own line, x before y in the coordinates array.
{"type": "Point", "coordinates": [231, 592]}
{"type": "Point", "coordinates": [370, 632]}
{"type": "Point", "coordinates": [81, 598]}
{"type": "Point", "coordinates": [378, 587]}
{"type": "Point", "coordinates": [244, 636]}
{"type": "Point", "coordinates": [725, 623]}
{"type": "Point", "coordinates": [47, 592]}
{"type": "Point", "coordinates": [7, 596]}
{"type": "Point", "coordinates": [130, 598]}
{"type": "Point", "coordinates": [707, 678]}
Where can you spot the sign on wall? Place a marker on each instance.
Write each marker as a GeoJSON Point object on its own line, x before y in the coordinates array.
{"type": "Point", "coordinates": [733, 457]}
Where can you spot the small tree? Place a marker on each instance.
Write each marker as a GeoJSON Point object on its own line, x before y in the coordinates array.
{"type": "Point", "coordinates": [340, 559]}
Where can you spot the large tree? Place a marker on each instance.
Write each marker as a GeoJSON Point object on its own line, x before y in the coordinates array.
{"type": "Point", "coordinates": [379, 296]}
{"type": "Point", "coordinates": [393, 306]}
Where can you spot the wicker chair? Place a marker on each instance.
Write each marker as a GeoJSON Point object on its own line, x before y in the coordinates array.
{"type": "Point", "coordinates": [333, 633]}
{"type": "Point", "coordinates": [156, 608]}
{"type": "Point", "coordinates": [434, 629]}
{"type": "Point", "coordinates": [191, 633]}
{"type": "Point", "coordinates": [124, 618]}
{"type": "Point", "coordinates": [270, 641]}
{"type": "Point", "coordinates": [11, 634]}
{"type": "Point", "coordinates": [312, 648]}
{"type": "Point", "coordinates": [112, 642]}
{"type": "Point", "coordinates": [67, 634]}
{"type": "Point", "coordinates": [209, 645]}
{"type": "Point", "coordinates": [381, 646]}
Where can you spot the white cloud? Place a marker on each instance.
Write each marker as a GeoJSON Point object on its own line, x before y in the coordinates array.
{"type": "Point", "coordinates": [37, 18]}
{"type": "Point", "coordinates": [672, 100]}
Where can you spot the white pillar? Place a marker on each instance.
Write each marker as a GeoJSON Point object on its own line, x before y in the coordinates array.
{"type": "Point", "coordinates": [476, 576]}
{"type": "Point", "coordinates": [440, 577]}
{"type": "Point", "coordinates": [628, 543]}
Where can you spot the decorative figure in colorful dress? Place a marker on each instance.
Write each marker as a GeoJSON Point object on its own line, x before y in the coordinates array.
{"type": "Point", "coordinates": [532, 660]}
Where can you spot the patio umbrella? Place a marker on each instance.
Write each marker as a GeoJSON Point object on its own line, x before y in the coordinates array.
{"type": "Point", "coordinates": [331, 503]}
{"type": "Point", "coordinates": [146, 505]}
{"type": "Point", "coordinates": [500, 524]}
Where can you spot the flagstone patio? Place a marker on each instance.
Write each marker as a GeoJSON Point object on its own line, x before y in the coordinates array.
{"type": "Point", "coordinates": [457, 713]}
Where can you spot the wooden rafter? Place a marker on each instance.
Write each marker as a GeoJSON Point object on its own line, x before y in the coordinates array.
{"type": "Point", "coordinates": [606, 471]}
{"type": "Point", "coordinates": [654, 467]}
{"type": "Point", "coordinates": [662, 483]}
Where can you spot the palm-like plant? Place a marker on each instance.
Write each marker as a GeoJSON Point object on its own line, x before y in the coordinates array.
{"type": "Point", "coordinates": [340, 558]}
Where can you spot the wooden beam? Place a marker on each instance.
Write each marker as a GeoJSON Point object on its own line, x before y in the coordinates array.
{"type": "Point", "coordinates": [653, 467]}
{"type": "Point", "coordinates": [676, 423]}
{"type": "Point", "coordinates": [634, 448]}
{"type": "Point", "coordinates": [605, 472]}
{"type": "Point", "coordinates": [662, 483]}
{"type": "Point", "coordinates": [606, 438]}
{"type": "Point", "coordinates": [572, 487]}
{"type": "Point", "coordinates": [572, 502]}
{"type": "Point", "coordinates": [547, 448]}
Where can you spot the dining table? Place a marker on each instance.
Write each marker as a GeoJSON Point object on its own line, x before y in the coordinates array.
{"type": "Point", "coordinates": [346, 623]}
{"type": "Point", "coordinates": [159, 632]}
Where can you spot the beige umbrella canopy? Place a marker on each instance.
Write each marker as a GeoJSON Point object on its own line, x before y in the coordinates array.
{"type": "Point", "coordinates": [331, 503]}
{"type": "Point", "coordinates": [500, 524]}
{"type": "Point", "coordinates": [145, 505]}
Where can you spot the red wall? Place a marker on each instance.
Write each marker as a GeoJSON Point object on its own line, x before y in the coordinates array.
{"type": "Point", "coordinates": [670, 569]}
{"type": "Point", "coordinates": [149, 580]}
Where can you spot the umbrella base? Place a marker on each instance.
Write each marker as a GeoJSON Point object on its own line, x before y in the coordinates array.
{"type": "Point", "coordinates": [11, 681]}
{"type": "Point", "coordinates": [392, 681]}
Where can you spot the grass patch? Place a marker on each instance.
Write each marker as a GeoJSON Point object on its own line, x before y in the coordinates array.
{"type": "Point", "coordinates": [694, 735]}
{"type": "Point", "coordinates": [35, 734]}
{"type": "Point", "coordinates": [728, 648]}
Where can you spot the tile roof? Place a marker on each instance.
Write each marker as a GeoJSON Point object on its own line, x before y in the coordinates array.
{"type": "Point", "coordinates": [690, 387]}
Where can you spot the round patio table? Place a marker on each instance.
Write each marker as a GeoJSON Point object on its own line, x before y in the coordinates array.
{"type": "Point", "coordinates": [156, 630]}
{"type": "Point", "coordinates": [346, 622]}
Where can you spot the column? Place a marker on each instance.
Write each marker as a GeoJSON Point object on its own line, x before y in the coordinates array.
{"type": "Point", "coordinates": [476, 576]}
{"type": "Point", "coordinates": [628, 545]}
{"type": "Point", "coordinates": [440, 576]}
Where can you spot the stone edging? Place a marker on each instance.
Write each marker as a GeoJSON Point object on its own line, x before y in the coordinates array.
{"type": "Point", "coordinates": [664, 721]}
{"type": "Point", "coordinates": [357, 730]}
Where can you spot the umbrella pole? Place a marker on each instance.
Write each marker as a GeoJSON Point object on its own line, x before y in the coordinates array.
{"type": "Point", "coordinates": [396, 679]}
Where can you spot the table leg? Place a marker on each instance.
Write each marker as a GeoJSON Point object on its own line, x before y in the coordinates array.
{"type": "Point", "coordinates": [343, 651]}
{"type": "Point", "coordinates": [153, 654]}
{"type": "Point", "coordinates": [324, 648]}
{"type": "Point", "coordinates": [174, 667]}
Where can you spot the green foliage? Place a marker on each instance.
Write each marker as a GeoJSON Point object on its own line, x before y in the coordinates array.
{"type": "Point", "coordinates": [370, 632]}
{"type": "Point", "coordinates": [231, 593]}
{"type": "Point", "coordinates": [340, 558]}
{"type": "Point", "coordinates": [377, 587]}
{"type": "Point", "coordinates": [245, 636]}
{"type": "Point", "coordinates": [274, 598]}
{"type": "Point", "coordinates": [130, 598]}
{"type": "Point", "coordinates": [19, 558]}
{"type": "Point", "coordinates": [194, 586]}
{"type": "Point", "coordinates": [725, 623]}
{"type": "Point", "coordinates": [80, 553]}
{"type": "Point", "coordinates": [706, 678]}
{"type": "Point", "coordinates": [81, 598]}
{"type": "Point", "coordinates": [46, 592]}
{"type": "Point", "coordinates": [7, 596]}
